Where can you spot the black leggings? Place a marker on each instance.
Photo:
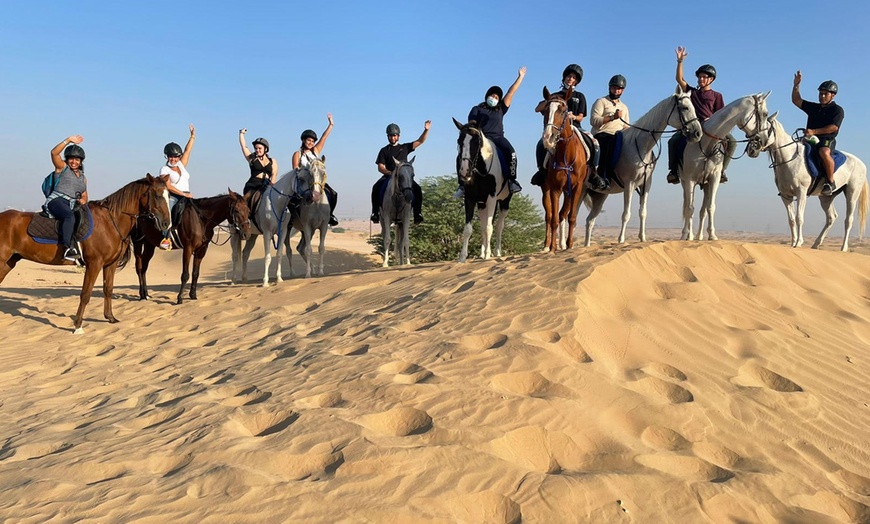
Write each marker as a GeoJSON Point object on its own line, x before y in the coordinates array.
{"type": "Point", "coordinates": [59, 208]}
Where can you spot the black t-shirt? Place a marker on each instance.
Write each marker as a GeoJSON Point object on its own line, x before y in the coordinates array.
{"type": "Point", "coordinates": [489, 119]}
{"type": "Point", "coordinates": [577, 103]}
{"type": "Point", "coordinates": [399, 151]}
{"type": "Point", "coordinates": [822, 116]}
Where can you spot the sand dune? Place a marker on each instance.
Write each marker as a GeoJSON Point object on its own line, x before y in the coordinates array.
{"type": "Point", "coordinates": [665, 382]}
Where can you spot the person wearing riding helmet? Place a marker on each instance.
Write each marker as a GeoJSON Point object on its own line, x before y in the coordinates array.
{"type": "Point", "coordinates": [264, 169]}
{"type": "Point", "coordinates": [309, 150]}
{"type": "Point", "coordinates": [609, 116]}
{"type": "Point", "coordinates": [70, 190]}
{"type": "Point", "coordinates": [386, 162]}
{"type": "Point", "coordinates": [823, 122]}
{"type": "Point", "coordinates": [706, 102]}
{"type": "Point", "coordinates": [572, 75]}
{"type": "Point", "coordinates": [489, 118]}
{"type": "Point", "coordinates": [175, 174]}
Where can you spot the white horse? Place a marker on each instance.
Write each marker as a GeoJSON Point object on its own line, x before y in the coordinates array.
{"type": "Point", "coordinates": [702, 165]}
{"type": "Point", "coordinates": [313, 212]}
{"type": "Point", "coordinates": [793, 179]}
{"type": "Point", "coordinates": [485, 187]}
{"type": "Point", "coordinates": [272, 217]}
{"type": "Point", "coordinates": [396, 209]}
{"type": "Point", "coordinates": [637, 161]}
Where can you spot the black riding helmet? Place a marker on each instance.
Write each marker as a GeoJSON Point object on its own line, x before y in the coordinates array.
{"type": "Point", "coordinates": [393, 129]}
{"type": "Point", "coordinates": [172, 149]}
{"type": "Point", "coordinates": [573, 68]}
{"type": "Point", "coordinates": [706, 69]}
{"type": "Point", "coordinates": [74, 151]}
{"type": "Point", "coordinates": [617, 81]}
{"type": "Point", "coordinates": [494, 90]}
{"type": "Point", "coordinates": [308, 133]}
{"type": "Point", "coordinates": [830, 86]}
{"type": "Point", "coordinates": [262, 141]}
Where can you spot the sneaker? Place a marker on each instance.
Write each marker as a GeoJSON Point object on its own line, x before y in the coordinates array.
{"type": "Point", "coordinates": [332, 220]}
{"type": "Point", "coordinates": [376, 218]}
{"type": "Point", "coordinates": [460, 193]}
{"type": "Point", "coordinates": [829, 188]}
{"type": "Point", "coordinates": [418, 219]}
{"type": "Point", "coordinates": [166, 244]}
{"type": "Point", "coordinates": [514, 186]}
{"type": "Point", "coordinates": [599, 183]}
{"type": "Point", "coordinates": [71, 254]}
{"type": "Point", "coordinates": [723, 178]}
{"type": "Point", "coordinates": [673, 178]}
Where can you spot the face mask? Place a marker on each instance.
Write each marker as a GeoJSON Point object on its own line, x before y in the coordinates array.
{"type": "Point", "coordinates": [491, 101]}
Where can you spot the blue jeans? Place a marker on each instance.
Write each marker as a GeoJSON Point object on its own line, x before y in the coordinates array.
{"type": "Point", "coordinates": [61, 210]}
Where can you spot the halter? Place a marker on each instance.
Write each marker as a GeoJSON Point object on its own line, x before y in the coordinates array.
{"type": "Point", "coordinates": [561, 127]}
{"type": "Point", "coordinates": [314, 184]}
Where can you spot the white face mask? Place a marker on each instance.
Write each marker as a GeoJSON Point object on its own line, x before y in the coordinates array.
{"type": "Point", "coordinates": [491, 101]}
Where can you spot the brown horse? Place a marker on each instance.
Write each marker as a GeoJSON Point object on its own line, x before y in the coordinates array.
{"type": "Point", "coordinates": [566, 168]}
{"type": "Point", "coordinates": [195, 231]}
{"type": "Point", "coordinates": [106, 249]}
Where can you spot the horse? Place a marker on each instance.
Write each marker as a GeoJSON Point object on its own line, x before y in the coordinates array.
{"type": "Point", "coordinates": [313, 214]}
{"type": "Point", "coordinates": [795, 183]}
{"type": "Point", "coordinates": [637, 161]}
{"type": "Point", "coordinates": [271, 218]}
{"type": "Point", "coordinates": [195, 232]}
{"type": "Point", "coordinates": [396, 209]}
{"type": "Point", "coordinates": [702, 165]}
{"type": "Point", "coordinates": [106, 249]}
{"type": "Point", "coordinates": [479, 170]}
{"type": "Point", "coordinates": [566, 170]}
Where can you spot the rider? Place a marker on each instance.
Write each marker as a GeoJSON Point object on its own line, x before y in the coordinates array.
{"type": "Point", "coordinates": [609, 116]}
{"type": "Point", "coordinates": [71, 189]}
{"type": "Point", "coordinates": [489, 117]}
{"type": "Point", "coordinates": [309, 150]}
{"type": "Point", "coordinates": [572, 75]}
{"type": "Point", "coordinates": [386, 162]}
{"type": "Point", "coordinates": [706, 102]}
{"type": "Point", "coordinates": [175, 174]}
{"type": "Point", "coordinates": [823, 121]}
{"type": "Point", "coordinates": [264, 169]}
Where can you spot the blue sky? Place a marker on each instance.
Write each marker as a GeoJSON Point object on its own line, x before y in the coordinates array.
{"type": "Point", "coordinates": [129, 77]}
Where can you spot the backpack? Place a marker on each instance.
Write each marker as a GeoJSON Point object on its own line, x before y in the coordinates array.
{"type": "Point", "coordinates": [49, 183]}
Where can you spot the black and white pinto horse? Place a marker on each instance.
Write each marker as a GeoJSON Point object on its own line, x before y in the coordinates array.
{"type": "Point", "coordinates": [396, 209]}
{"type": "Point", "coordinates": [479, 170]}
{"type": "Point", "coordinates": [795, 183]}
{"type": "Point", "coordinates": [313, 213]}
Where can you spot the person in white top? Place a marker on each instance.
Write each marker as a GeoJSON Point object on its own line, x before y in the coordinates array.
{"type": "Point", "coordinates": [311, 148]}
{"type": "Point", "coordinates": [609, 116]}
{"type": "Point", "coordinates": [175, 175]}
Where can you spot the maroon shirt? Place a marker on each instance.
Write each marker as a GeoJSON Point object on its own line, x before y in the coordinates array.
{"type": "Point", "coordinates": [706, 102]}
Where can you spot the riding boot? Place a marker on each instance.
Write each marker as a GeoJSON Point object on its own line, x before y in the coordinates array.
{"type": "Point", "coordinates": [417, 204]}
{"type": "Point", "coordinates": [332, 198]}
{"type": "Point", "coordinates": [674, 158]}
{"type": "Point", "coordinates": [513, 185]}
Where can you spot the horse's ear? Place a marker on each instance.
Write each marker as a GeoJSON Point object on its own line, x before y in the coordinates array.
{"type": "Point", "coordinates": [396, 161]}
{"type": "Point", "coordinates": [569, 92]}
{"type": "Point", "coordinates": [765, 95]}
{"type": "Point", "coordinates": [323, 158]}
{"type": "Point", "coordinates": [231, 193]}
{"type": "Point", "coordinates": [772, 117]}
{"type": "Point", "coordinates": [546, 93]}
{"type": "Point", "coordinates": [412, 159]}
{"type": "Point", "coordinates": [457, 124]}
{"type": "Point", "coordinates": [679, 90]}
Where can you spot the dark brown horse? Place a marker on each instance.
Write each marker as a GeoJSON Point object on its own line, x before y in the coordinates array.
{"type": "Point", "coordinates": [566, 169]}
{"type": "Point", "coordinates": [106, 249]}
{"type": "Point", "coordinates": [195, 232]}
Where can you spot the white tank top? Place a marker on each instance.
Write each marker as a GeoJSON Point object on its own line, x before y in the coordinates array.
{"type": "Point", "coordinates": [181, 181]}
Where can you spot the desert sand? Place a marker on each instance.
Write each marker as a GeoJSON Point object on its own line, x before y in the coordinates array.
{"type": "Point", "coordinates": [660, 382]}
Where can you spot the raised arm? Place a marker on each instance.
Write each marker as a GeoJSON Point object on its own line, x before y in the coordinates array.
{"type": "Point", "coordinates": [245, 150]}
{"type": "Point", "coordinates": [187, 148]}
{"type": "Point", "coordinates": [419, 142]}
{"type": "Point", "coordinates": [681, 55]}
{"type": "Point", "coordinates": [56, 151]}
{"type": "Point", "coordinates": [509, 96]}
{"type": "Point", "coordinates": [322, 142]}
{"type": "Point", "coordinates": [796, 90]}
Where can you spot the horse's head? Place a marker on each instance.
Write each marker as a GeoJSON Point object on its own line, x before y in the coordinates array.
{"type": "Point", "coordinates": [310, 180]}
{"type": "Point", "coordinates": [756, 127]}
{"type": "Point", "coordinates": [470, 145]}
{"type": "Point", "coordinates": [403, 179]}
{"type": "Point", "coordinates": [766, 138]}
{"type": "Point", "coordinates": [683, 116]}
{"type": "Point", "coordinates": [554, 108]}
{"type": "Point", "coordinates": [154, 202]}
{"type": "Point", "coordinates": [239, 214]}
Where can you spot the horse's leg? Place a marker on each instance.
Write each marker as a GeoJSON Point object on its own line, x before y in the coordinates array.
{"type": "Point", "coordinates": [198, 255]}
{"type": "Point", "coordinates": [597, 200]}
{"type": "Point", "coordinates": [8, 264]}
{"type": "Point", "coordinates": [626, 214]}
{"type": "Point", "coordinates": [386, 232]}
{"type": "Point", "coordinates": [185, 271]}
{"type": "Point", "coordinates": [143, 252]}
{"type": "Point", "coordinates": [91, 273]}
{"type": "Point", "coordinates": [246, 254]}
{"type": "Point", "coordinates": [499, 228]}
{"type": "Point", "coordinates": [466, 233]}
{"type": "Point", "coordinates": [572, 205]}
{"type": "Point", "coordinates": [309, 234]}
{"type": "Point", "coordinates": [406, 235]}
{"type": "Point", "coordinates": [641, 213]}
{"type": "Point", "coordinates": [688, 207]}
{"type": "Point", "coordinates": [827, 202]}
{"type": "Point", "coordinates": [108, 286]}
{"type": "Point", "coordinates": [851, 199]}
{"type": "Point", "coordinates": [554, 220]}
{"type": "Point", "coordinates": [236, 246]}
{"type": "Point", "coordinates": [267, 256]}
{"type": "Point", "coordinates": [708, 209]}
{"type": "Point", "coordinates": [283, 233]}
{"type": "Point", "coordinates": [485, 215]}
{"type": "Point", "coordinates": [322, 248]}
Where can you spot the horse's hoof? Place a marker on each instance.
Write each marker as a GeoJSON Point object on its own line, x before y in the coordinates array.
{"type": "Point", "coordinates": [79, 331]}
{"type": "Point", "coordinates": [193, 297]}
{"type": "Point", "coordinates": [113, 320]}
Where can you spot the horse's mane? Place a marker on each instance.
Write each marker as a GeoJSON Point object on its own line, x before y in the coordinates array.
{"type": "Point", "coordinates": [123, 196]}
{"type": "Point", "coordinates": [652, 116]}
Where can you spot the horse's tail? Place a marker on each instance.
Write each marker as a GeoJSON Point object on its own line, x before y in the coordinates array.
{"type": "Point", "coordinates": [127, 249]}
{"type": "Point", "coordinates": [863, 204]}
{"type": "Point", "coordinates": [587, 200]}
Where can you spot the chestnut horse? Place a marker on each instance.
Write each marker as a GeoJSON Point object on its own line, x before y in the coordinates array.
{"type": "Point", "coordinates": [106, 249]}
{"type": "Point", "coordinates": [566, 169]}
{"type": "Point", "coordinates": [195, 232]}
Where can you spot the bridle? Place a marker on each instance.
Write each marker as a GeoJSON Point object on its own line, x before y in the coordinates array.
{"type": "Point", "coordinates": [476, 136]}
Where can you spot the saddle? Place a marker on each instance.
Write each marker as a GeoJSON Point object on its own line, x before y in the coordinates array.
{"type": "Point", "coordinates": [45, 230]}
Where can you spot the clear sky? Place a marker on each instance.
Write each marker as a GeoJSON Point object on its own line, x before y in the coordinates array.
{"type": "Point", "coordinates": [130, 77]}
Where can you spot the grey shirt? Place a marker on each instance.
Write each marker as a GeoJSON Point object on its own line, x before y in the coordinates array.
{"type": "Point", "coordinates": [71, 185]}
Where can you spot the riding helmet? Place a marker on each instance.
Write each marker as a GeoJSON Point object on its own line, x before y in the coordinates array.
{"type": "Point", "coordinates": [618, 81]}
{"type": "Point", "coordinates": [74, 151]}
{"type": "Point", "coordinates": [829, 86]}
{"type": "Point", "coordinates": [262, 141]}
{"type": "Point", "coordinates": [494, 90]}
{"type": "Point", "coordinates": [573, 68]}
{"type": "Point", "coordinates": [308, 133]}
{"type": "Point", "coordinates": [706, 69]}
{"type": "Point", "coordinates": [393, 129]}
{"type": "Point", "coordinates": [172, 149]}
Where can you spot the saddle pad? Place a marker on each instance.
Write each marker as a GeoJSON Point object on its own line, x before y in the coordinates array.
{"type": "Point", "coordinates": [617, 149]}
{"type": "Point", "coordinates": [44, 230]}
{"type": "Point", "coordinates": [811, 156]}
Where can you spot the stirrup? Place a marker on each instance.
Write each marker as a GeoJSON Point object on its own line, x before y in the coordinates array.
{"type": "Point", "coordinates": [376, 218]}
{"type": "Point", "coordinates": [166, 244]}
{"type": "Point", "coordinates": [673, 178]}
{"type": "Point", "coordinates": [829, 188]}
{"type": "Point", "coordinates": [514, 186]}
{"type": "Point", "coordinates": [460, 193]}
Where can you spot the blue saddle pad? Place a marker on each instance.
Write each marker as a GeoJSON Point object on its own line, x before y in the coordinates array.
{"type": "Point", "coordinates": [43, 230]}
{"type": "Point", "coordinates": [811, 156]}
{"type": "Point", "coordinates": [617, 149]}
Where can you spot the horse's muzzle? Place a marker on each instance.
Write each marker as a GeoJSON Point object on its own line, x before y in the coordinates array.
{"type": "Point", "coordinates": [408, 195]}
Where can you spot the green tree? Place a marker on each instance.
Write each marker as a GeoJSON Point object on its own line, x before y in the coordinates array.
{"type": "Point", "coordinates": [439, 238]}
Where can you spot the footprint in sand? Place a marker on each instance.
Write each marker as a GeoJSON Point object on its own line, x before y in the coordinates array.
{"type": "Point", "coordinates": [662, 438]}
{"type": "Point", "coordinates": [484, 342]}
{"type": "Point", "coordinates": [656, 387]}
{"type": "Point", "coordinates": [329, 399]}
{"type": "Point", "coordinates": [717, 454]}
{"type": "Point", "coordinates": [260, 423]}
{"type": "Point", "coordinates": [398, 422]}
{"type": "Point", "coordinates": [665, 371]}
{"type": "Point", "coordinates": [529, 384]}
{"type": "Point", "coordinates": [318, 464]}
{"type": "Point", "coordinates": [406, 373]}
{"type": "Point", "coordinates": [753, 375]}
{"type": "Point", "coordinates": [689, 468]}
